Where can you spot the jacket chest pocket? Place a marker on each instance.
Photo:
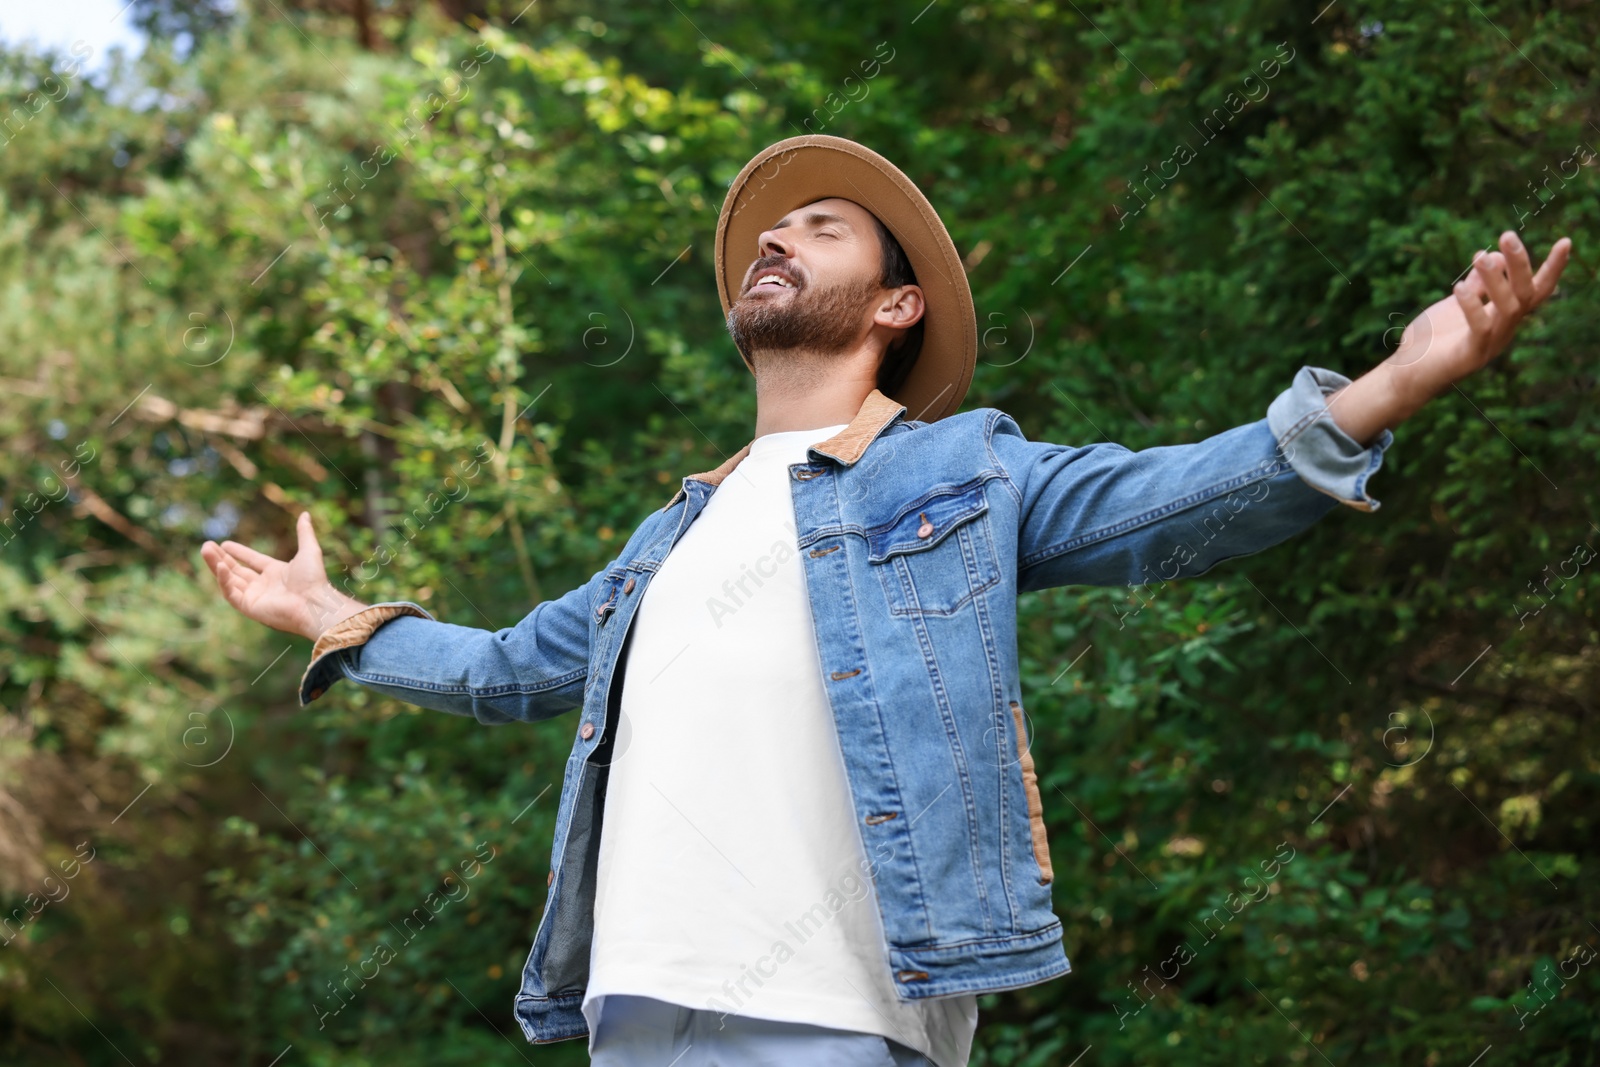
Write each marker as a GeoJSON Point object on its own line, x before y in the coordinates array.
{"type": "Point", "coordinates": [936, 553]}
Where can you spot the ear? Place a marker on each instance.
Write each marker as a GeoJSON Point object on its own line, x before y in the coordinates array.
{"type": "Point", "coordinates": [901, 308]}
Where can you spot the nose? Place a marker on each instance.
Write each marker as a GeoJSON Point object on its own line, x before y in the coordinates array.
{"type": "Point", "coordinates": [772, 243]}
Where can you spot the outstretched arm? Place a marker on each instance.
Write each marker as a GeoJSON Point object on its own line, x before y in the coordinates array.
{"type": "Point", "coordinates": [527, 672]}
{"type": "Point", "coordinates": [1451, 339]}
{"type": "Point", "coordinates": [1102, 515]}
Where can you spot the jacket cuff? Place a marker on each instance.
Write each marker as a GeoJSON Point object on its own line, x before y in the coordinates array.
{"type": "Point", "coordinates": [1326, 457]}
{"type": "Point", "coordinates": [348, 633]}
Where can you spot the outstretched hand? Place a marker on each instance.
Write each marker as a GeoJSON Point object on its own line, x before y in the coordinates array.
{"type": "Point", "coordinates": [1451, 339]}
{"type": "Point", "coordinates": [295, 596]}
{"type": "Point", "coordinates": [1460, 334]}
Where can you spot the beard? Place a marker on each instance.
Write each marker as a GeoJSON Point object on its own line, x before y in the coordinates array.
{"type": "Point", "coordinates": [812, 319]}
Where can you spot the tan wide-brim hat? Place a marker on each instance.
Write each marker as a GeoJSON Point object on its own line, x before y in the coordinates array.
{"type": "Point", "coordinates": [799, 170]}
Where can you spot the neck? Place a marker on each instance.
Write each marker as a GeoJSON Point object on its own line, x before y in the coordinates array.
{"type": "Point", "coordinates": [804, 391]}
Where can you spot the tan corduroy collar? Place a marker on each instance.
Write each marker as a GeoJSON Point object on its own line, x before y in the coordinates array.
{"type": "Point", "coordinates": [846, 446]}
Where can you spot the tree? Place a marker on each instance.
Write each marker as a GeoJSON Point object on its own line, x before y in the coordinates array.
{"type": "Point", "coordinates": [312, 271]}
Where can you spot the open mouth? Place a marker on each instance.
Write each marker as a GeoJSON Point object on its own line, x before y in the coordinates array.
{"type": "Point", "coordinates": [770, 281]}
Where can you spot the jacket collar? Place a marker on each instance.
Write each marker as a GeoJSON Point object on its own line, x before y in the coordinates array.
{"type": "Point", "coordinates": [846, 446]}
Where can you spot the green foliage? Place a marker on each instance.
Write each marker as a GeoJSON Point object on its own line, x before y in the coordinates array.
{"type": "Point", "coordinates": [291, 272]}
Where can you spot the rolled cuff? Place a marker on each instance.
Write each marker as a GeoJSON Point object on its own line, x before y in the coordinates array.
{"type": "Point", "coordinates": [1326, 457]}
{"type": "Point", "coordinates": [322, 671]}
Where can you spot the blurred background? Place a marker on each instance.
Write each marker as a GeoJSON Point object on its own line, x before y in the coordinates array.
{"type": "Point", "coordinates": [1335, 802]}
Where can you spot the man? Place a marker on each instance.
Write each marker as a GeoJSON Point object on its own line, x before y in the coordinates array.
{"type": "Point", "coordinates": [823, 836]}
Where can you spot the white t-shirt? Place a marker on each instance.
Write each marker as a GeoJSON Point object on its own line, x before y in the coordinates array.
{"type": "Point", "coordinates": [732, 874]}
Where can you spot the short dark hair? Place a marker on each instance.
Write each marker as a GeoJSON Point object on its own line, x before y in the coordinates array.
{"type": "Point", "coordinates": [902, 353]}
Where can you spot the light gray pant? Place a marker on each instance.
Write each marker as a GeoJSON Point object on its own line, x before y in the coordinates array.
{"type": "Point", "coordinates": [645, 1032]}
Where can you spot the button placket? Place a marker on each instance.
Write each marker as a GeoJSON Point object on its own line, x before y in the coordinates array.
{"type": "Point", "coordinates": [607, 609]}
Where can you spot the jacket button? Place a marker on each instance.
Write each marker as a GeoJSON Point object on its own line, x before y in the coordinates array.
{"type": "Point", "coordinates": [627, 587]}
{"type": "Point", "coordinates": [550, 879]}
{"type": "Point", "coordinates": [925, 529]}
{"type": "Point", "coordinates": [587, 731]}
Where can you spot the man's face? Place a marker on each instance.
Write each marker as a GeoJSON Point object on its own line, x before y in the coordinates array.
{"type": "Point", "coordinates": [815, 284]}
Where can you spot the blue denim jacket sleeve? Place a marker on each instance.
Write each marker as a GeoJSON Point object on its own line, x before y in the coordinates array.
{"type": "Point", "coordinates": [1102, 514]}
{"type": "Point", "coordinates": [522, 673]}
{"type": "Point", "coordinates": [1329, 459]}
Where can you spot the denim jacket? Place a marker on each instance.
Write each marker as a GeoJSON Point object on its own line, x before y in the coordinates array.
{"type": "Point", "coordinates": [916, 539]}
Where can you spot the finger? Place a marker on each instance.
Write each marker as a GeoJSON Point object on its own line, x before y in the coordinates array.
{"type": "Point", "coordinates": [1468, 299]}
{"type": "Point", "coordinates": [241, 576]}
{"type": "Point", "coordinates": [1503, 309]}
{"type": "Point", "coordinates": [226, 581]}
{"type": "Point", "coordinates": [1471, 284]}
{"type": "Point", "coordinates": [1518, 267]}
{"type": "Point", "coordinates": [308, 537]}
{"type": "Point", "coordinates": [236, 594]}
{"type": "Point", "coordinates": [1544, 282]}
{"type": "Point", "coordinates": [1491, 268]}
{"type": "Point", "coordinates": [217, 561]}
{"type": "Point", "coordinates": [233, 563]}
{"type": "Point", "coordinates": [231, 585]}
{"type": "Point", "coordinates": [235, 577]}
{"type": "Point", "coordinates": [247, 555]}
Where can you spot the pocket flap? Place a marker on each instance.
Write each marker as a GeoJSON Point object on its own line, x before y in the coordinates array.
{"type": "Point", "coordinates": [927, 521]}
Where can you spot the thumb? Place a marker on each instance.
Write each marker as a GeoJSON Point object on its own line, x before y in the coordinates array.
{"type": "Point", "coordinates": [308, 538]}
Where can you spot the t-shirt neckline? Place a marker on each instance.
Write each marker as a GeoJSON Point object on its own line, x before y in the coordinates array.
{"type": "Point", "coordinates": [783, 439]}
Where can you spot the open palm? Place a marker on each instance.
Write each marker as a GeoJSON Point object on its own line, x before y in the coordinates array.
{"type": "Point", "coordinates": [285, 596]}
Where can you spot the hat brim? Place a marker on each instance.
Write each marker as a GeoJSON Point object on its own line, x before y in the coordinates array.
{"type": "Point", "coordinates": [799, 170]}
